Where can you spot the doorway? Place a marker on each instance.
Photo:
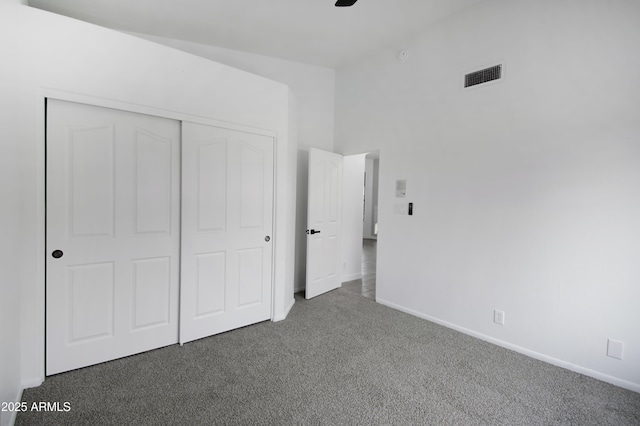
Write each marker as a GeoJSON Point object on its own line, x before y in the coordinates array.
{"type": "Point", "coordinates": [368, 280]}
{"type": "Point", "coordinates": [366, 237]}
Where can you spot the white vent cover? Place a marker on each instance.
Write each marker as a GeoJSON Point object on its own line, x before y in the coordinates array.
{"type": "Point", "coordinates": [483, 76]}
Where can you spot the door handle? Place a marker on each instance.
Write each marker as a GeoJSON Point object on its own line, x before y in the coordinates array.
{"type": "Point", "coordinates": [312, 231]}
{"type": "Point", "coordinates": [57, 254]}
{"type": "Point", "coordinates": [267, 238]}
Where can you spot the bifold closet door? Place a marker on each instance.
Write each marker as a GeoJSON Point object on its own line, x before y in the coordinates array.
{"type": "Point", "coordinates": [112, 234]}
{"type": "Point", "coordinates": [227, 230]}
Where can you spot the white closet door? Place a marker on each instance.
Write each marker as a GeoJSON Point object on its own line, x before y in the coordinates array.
{"type": "Point", "coordinates": [113, 234]}
{"type": "Point", "coordinates": [227, 223]}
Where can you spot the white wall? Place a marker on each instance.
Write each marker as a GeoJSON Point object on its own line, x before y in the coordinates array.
{"type": "Point", "coordinates": [11, 165]}
{"type": "Point", "coordinates": [352, 202]}
{"type": "Point", "coordinates": [313, 88]}
{"type": "Point", "coordinates": [68, 58]}
{"type": "Point", "coordinates": [526, 191]}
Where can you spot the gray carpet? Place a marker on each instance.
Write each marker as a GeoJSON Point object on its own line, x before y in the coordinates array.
{"type": "Point", "coordinates": [339, 359]}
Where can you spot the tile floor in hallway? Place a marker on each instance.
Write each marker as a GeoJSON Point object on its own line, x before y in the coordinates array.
{"type": "Point", "coordinates": [367, 285]}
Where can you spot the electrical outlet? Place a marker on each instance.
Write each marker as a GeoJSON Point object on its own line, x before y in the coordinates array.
{"type": "Point", "coordinates": [615, 349]}
{"type": "Point", "coordinates": [498, 317]}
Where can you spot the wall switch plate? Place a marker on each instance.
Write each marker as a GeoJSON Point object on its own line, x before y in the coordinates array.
{"type": "Point", "coordinates": [498, 317]}
{"type": "Point", "coordinates": [615, 348]}
{"type": "Point", "coordinates": [401, 188]}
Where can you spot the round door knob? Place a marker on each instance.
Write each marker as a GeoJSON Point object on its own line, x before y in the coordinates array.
{"type": "Point", "coordinates": [57, 254]}
{"type": "Point", "coordinates": [267, 238]}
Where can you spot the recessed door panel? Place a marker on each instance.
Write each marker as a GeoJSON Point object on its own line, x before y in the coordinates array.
{"type": "Point", "coordinates": [315, 270]}
{"type": "Point", "coordinates": [331, 246]}
{"type": "Point", "coordinates": [153, 175]}
{"type": "Point", "coordinates": [91, 177]}
{"type": "Point", "coordinates": [210, 283]}
{"type": "Point", "coordinates": [211, 185]}
{"type": "Point", "coordinates": [250, 276]}
{"type": "Point", "coordinates": [151, 292]}
{"type": "Point", "coordinates": [316, 198]}
{"type": "Point", "coordinates": [333, 191]}
{"type": "Point", "coordinates": [91, 295]}
{"type": "Point", "coordinates": [251, 187]}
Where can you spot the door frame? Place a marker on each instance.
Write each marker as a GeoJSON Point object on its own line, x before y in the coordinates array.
{"type": "Point", "coordinates": [39, 301]}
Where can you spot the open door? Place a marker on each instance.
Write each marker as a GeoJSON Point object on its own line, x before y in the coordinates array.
{"type": "Point", "coordinates": [324, 220]}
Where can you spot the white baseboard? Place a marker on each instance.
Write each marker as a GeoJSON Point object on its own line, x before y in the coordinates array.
{"type": "Point", "coordinates": [286, 311]}
{"type": "Point", "coordinates": [32, 383]}
{"type": "Point", "coordinates": [9, 418]}
{"type": "Point", "coordinates": [536, 355]}
{"type": "Point", "coordinates": [351, 277]}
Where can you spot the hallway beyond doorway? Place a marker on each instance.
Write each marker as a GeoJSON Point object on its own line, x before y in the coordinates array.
{"type": "Point", "coordinates": [366, 286]}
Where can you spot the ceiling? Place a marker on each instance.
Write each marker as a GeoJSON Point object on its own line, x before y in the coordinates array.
{"type": "Point", "coordinates": [308, 31]}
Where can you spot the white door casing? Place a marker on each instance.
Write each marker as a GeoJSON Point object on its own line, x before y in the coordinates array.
{"type": "Point", "coordinates": [113, 211]}
{"type": "Point", "coordinates": [324, 221]}
{"type": "Point", "coordinates": [227, 230]}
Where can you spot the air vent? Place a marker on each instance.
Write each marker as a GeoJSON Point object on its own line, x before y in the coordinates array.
{"type": "Point", "coordinates": [483, 76]}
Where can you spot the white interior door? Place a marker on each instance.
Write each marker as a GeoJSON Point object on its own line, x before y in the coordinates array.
{"type": "Point", "coordinates": [113, 234]}
{"type": "Point", "coordinates": [227, 222]}
{"type": "Point", "coordinates": [324, 217]}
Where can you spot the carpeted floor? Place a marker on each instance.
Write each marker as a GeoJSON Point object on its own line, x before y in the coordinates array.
{"type": "Point", "coordinates": [339, 359]}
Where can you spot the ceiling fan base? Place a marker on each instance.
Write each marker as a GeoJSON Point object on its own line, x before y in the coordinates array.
{"type": "Point", "coordinates": [345, 3]}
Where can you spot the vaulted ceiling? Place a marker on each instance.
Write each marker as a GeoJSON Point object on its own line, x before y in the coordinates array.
{"type": "Point", "coordinates": [309, 31]}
